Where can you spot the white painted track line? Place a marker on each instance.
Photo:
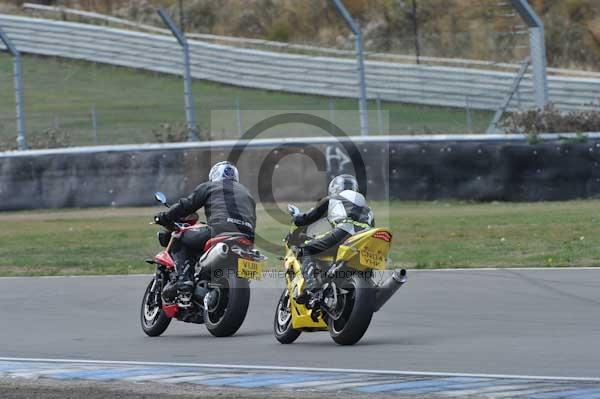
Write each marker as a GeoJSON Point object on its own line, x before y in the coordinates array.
{"type": "Point", "coordinates": [303, 369]}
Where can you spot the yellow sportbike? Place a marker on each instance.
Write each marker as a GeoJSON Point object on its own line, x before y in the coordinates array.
{"type": "Point", "coordinates": [348, 296]}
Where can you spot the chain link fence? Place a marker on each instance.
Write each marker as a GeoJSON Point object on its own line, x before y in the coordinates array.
{"type": "Point", "coordinates": [73, 103]}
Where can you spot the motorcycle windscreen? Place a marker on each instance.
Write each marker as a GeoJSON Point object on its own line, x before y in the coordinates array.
{"type": "Point", "coordinates": [366, 250]}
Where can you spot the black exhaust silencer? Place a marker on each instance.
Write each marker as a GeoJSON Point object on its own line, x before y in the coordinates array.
{"type": "Point", "coordinates": [389, 287]}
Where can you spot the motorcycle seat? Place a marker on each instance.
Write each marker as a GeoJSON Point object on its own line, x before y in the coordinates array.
{"type": "Point", "coordinates": [232, 235]}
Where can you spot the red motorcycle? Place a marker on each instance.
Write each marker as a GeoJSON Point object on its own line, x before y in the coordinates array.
{"type": "Point", "coordinates": [221, 291]}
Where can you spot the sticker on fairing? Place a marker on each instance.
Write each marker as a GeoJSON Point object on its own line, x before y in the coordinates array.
{"type": "Point", "coordinates": [383, 235]}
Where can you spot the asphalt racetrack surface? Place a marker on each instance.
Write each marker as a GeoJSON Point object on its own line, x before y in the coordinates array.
{"type": "Point", "coordinates": [525, 322]}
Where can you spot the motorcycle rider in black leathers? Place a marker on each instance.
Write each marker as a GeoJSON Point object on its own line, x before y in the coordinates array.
{"type": "Point", "coordinates": [229, 208]}
{"type": "Point", "coordinates": [348, 213]}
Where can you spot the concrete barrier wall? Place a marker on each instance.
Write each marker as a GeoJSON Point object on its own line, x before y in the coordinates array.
{"type": "Point", "coordinates": [466, 170]}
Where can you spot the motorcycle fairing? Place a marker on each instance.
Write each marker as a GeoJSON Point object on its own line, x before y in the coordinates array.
{"type": "Point", "coordinates": [234, 237]}
{"type": "Point", "coordinates": [366, 250]}
{"type": "Point", "coordinates": [301, 315]}
{"type": "Point", "coordinates": [170, 310]}
{"type": "Point", "coordinates": [163, 258]}
{"type": "Point", "coordinates": [214, 241]}
{"type": "Point", "coordinates": [302, 318]}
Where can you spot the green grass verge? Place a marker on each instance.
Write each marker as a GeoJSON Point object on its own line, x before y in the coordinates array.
{"type": "Point", "coordinates": [426, 235]}
{"type": "Point", "coordinates": [130, 104]}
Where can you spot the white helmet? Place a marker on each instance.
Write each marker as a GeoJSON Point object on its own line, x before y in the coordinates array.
{"type": "Point", "coordinates": [341, 183]}
{"type": "Point", "coordinates": [223, 171]}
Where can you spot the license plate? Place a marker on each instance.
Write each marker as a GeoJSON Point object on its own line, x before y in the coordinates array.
{"type": "Point", "coordinates": [249, 269]}
{"type": "Point", "coordinates": [372, 259]}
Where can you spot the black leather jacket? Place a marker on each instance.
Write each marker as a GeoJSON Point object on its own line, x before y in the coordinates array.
{"type": "Point", "coordinates": [228, 206]}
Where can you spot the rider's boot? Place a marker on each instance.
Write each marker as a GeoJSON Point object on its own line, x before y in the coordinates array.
{"type": "Point", "coordinates": [169, 292]}
{"type": "Point", "coordinates": [185, 285]}
{"type": "Point", "coordinates": [311, 280]}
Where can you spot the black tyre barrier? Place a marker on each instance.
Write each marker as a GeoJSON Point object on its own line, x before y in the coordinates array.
{"type": "Point", "coordinates": [481, 171]}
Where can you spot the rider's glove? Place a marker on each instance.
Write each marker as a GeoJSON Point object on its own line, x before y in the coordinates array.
{"type": "Point", "coordinates": [162, 219]}
{"type": "Point", "coordinates": [293, 210]}
{"type": "Point", "coordinates": [294, 213]}
{"type": "Point", "coordinates": [298, 252]}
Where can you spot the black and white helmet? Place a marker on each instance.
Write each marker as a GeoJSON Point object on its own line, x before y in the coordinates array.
{"type": "Point", "coordinates": [223, 171]}
{"type": "Point", "coordinates": [341, 183]}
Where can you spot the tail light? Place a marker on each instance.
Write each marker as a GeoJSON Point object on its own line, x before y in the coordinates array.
{"type": "Point", "coordinates": [245, 241]}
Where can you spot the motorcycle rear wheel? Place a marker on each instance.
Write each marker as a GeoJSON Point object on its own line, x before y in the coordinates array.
{"type": "Point", "coordinates": [357, 313]}
{"type": "Point", "coordinates": [282, 325]}
{"type": "Point", "coordinates": [153, 319]}
{"type": "Point", "coordinates": [227, 316]}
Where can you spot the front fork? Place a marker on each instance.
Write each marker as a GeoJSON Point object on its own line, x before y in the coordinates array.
{"type": "Point", "coordinates": [156, 289]}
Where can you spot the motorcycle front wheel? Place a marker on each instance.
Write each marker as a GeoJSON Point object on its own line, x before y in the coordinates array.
{"type": "Point", "coordinates": [282, 325]}
{"type": "Point", "coordinates": [357, 312]}
{"type": "Point", "coordinates": [153, 318]}
{"type": "Point", "coordinates": [229, 299]}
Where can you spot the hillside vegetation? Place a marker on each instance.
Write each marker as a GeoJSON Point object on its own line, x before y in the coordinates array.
{"type": "Point", "coordinates": [476, 29]}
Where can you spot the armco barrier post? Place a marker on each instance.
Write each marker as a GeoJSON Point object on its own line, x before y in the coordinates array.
{"type": "Point", "coordinates": [537, 44]}
{"type": "Point", "coordinates": [94, 124]}
{"type": "Point", "coordinates": [190, 112]}
{"type": "Point", "coordinates": [18, 77]}
{"type": "Point", "coordinates": [238, 117]}
{"type": "Point", "coordinates": [469, 115]}
{"type": "Point", "coordinates": [362, 101]}
{"type": "Point", "coordinates": [331, 111]}
{"type": "Point", "coordinates": [379, 115]}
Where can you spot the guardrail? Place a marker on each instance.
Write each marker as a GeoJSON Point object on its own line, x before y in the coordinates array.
{"type": "Point", "coordinates": [317, 140]}
{"type": "Point", "coordinates": [327, 76]}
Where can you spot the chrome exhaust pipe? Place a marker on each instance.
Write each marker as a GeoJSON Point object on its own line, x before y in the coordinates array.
{"type": "Point", "coordinates": [389, 287]}
{"type": "Point", "coordinates": [217, 253]}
